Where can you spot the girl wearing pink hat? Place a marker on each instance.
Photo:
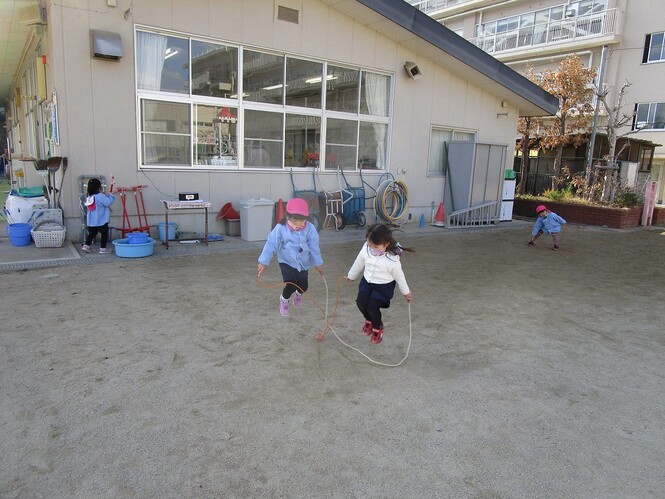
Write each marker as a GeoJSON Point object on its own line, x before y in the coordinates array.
{"type": "Point", "coordinates": [296, 242]}
{"type": "Point", "coordinates": [547, 221]}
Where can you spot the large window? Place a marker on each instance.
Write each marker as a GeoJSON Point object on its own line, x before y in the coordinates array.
{"type": "Point", "coordinates": [165, 132]}
{"type": "Point", "coordinates": [654, 48]}
{"type": "Point", "coordinates": [649, 116]}
{"type": "Point", "coordinates": [438, 149]}
{"type": "Point", "coordinates": [212, 105]}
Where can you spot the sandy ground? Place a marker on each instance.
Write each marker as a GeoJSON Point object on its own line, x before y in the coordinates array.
{"type": "Point", "coordinates": [531, 374]}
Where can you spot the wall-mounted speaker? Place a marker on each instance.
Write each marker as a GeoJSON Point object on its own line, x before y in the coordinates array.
{"type": "Point", "coordinates": [412, 70]}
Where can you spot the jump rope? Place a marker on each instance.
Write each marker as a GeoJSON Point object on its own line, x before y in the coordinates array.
{"type": "Point", "coordinates": [320, 336]}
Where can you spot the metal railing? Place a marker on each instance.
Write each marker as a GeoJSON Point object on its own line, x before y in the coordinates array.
{"type": "Point", "coordinates": [574, 28]}
{"type": "Point", "coordinates": [475, 216]}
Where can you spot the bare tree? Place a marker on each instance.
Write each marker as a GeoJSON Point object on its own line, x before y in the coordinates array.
{"type": "Point", "coordinates": [617, 120]}
{"type": "Point", "coordinates": [571, 82]}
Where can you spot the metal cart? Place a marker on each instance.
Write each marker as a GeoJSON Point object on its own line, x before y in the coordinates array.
{"type": "Point", "coordinates": [312, 197]}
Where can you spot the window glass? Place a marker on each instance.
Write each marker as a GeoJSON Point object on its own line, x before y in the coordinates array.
{"type": "Point", "coordinates": [650, 116]}
{"type": "Point", "coordinates": [263, 139]}
{"type": "Point", "coordinates": [302, 136]}
{"type": "Point", "coordinates": [659, 115]}
{"type": "Point", "coordinates": [584, 7]}
{"type": "Point", "coordinates": [556, 13]}
{"type": "Point", "coordinates": [542, 16]}
{"type": "Point", "coordinates": [642, 115]}
{"type": "Point", "coordinates": [162, 62]}
{"type": "Point", "coordinates": [526, 20]}
{"type": "Point", "coordinates": [165, 130]}
{"type": "Point", "coordinates": [342, 89]}
{"type": "Point", "coordinates": [645, 158]}
{"type": "Point", "coordinates": [214, 70]}
{"type": "Point", "coordinates": [341, 144]}
{"type": "Point", "coordinates": [507, 24]}
{"type": "Point", "coordinates": [656, 47]}
{"type": "Point", "coordinates": [263, 77]}
{"type": "Point", "coordinates": [438, 158]}
{"type": "Point", "coordinates": [372, 145]}
{"type": "Point", "coordinates": [304, 83]}
{"type": "Point", "coordinates": [215, 135]}
{"type": "Point", "coordinates": [374, 94]}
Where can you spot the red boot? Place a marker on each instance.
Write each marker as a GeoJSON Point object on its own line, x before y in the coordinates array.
{"type": "Point", "coordinates": [377, 336]}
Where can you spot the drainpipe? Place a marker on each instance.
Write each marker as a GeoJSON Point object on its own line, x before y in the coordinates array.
{"type": "Point", "coordinates": [594, 129]}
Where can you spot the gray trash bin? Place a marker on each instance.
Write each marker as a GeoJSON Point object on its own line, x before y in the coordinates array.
{"type": "Point", "coordinates": [256, 219]}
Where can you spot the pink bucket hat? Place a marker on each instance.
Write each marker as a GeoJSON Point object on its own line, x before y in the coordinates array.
{"type": "Point", "coordinates": [297, 206]}
{"type": "Point", "coordinates": [540, 208]}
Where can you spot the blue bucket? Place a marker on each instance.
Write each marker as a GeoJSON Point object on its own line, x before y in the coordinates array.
{"type": "Point", "coordinates": [19, 234]}
{"type": "Point", "coordinates": [161, 226]}
{"type": "Point", "coordinates": [137, 238]}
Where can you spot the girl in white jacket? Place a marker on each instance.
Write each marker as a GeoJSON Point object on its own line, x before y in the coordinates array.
{"type": "Point", "coordinates": [379, 264]}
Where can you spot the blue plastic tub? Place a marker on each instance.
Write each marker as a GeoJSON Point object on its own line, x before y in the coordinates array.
{"type": "Point", "coordinates": [138, 237]}
{"type": "Point", "coordinates": [19, 234]}
{"type": "Point", "coordinates": [124, 249]}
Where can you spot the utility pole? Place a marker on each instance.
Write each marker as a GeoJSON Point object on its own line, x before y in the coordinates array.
{"type": "Point", "coordinates": [599, 89]}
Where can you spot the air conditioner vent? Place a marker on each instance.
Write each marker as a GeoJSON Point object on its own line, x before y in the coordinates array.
{"type": "Point", "coordinates": [31, 15]}
{"type": "Point", "coordinates": [288, 15]}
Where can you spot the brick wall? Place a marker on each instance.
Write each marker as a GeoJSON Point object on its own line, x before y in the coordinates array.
{"type": "Point", "coordinates": [616, 218]}
{"type": "Point", "coordinates": [658, 217]}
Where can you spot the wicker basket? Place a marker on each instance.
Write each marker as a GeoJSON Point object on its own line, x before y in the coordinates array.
{"type": "Point", "coordinates": [49, 235]}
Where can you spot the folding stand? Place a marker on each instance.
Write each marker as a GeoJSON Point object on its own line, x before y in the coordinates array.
{"type": "Point", "coordinates": [143, 225]}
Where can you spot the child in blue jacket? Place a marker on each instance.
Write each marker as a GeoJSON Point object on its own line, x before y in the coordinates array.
{"type": "Point", "coordinates": [547, 221]}
{"type": "Point", "coordinates": [98, 215]}
{"type": "Point", "coordinates": [296, 242]}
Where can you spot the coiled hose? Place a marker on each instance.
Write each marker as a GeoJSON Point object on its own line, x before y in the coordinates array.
{"type": "Point", "coordinates": [392, 200]}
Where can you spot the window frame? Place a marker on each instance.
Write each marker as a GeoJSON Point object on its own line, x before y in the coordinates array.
{"type": "Point", "coordinates": [241, 105]}
{"type": "Point", "coordinates": [646, 54]}
{"type": "Point", "coordinates": [652, 111]}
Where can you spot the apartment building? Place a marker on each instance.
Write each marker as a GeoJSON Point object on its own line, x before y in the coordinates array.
{"type": "Point", "coordinates": [522, 33]}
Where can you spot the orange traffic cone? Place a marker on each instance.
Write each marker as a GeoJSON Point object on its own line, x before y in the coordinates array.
{"type": "Point", "coordinates": [279, 211]}
{"type": "Point", "coordinates": [440, 217]}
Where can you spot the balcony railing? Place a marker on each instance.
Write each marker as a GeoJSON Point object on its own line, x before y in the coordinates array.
{"type": "Point", "coordinates": [566, 30]}
{"type": "Point", "coordinates": [429, 6]}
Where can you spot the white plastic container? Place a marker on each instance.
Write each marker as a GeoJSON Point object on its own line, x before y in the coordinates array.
{"type": "Point", "coordinates": [256, 217]}
{"type": "Point", "coordinates": [20, 209]}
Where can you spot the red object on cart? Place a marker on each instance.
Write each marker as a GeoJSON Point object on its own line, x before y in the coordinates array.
{"type": "Point", "coordinates": [143, 225]}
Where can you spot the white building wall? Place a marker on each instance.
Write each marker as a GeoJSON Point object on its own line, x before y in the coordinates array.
{"type": "Point", "coordinates": [97, 103]}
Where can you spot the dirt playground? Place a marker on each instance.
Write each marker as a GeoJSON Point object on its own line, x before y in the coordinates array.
{"type": "Point", "coordinates": [531, 373]}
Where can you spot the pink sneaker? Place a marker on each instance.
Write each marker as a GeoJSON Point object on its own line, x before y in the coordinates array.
{"type": "Point", "coordinates": [367, 328]}
{"type": "Point", "coordinates": [105, 251]}
{"type": "Point", "coordinates": [284, 307]}
{"type": "Point", "coordinates": [377, 336]}
{"type": "Point", "coordinates": [297, 299]}
{"type": "Point", "coordinates": [85, 248]}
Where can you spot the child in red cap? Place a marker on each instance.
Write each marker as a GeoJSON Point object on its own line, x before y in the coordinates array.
{"type": "Point", "coordinates": [296, 242]}
{"type": "Point", "coordinates": [547, 221]}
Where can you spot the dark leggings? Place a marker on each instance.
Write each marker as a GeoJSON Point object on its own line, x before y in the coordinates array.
{"type": "Point", "coordinates": [372, 298]}
{"type": "Point", "coordinates": [295, 276]}
{"type": "Point", "coordinates": [92, 234]}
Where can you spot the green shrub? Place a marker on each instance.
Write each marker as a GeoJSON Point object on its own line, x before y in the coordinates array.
{"type": "Point", "coordinates": [627, 199]}
{"type": "Point", "coordinates": [558, 195]}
